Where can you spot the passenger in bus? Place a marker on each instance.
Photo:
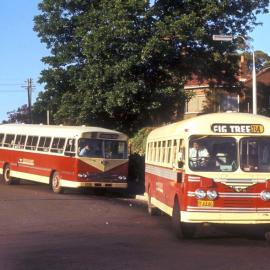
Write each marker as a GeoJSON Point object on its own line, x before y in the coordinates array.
{"type": "Point", "coordinates": [86, 151]}
{"type": "Point", "coordinates": [198, 155]}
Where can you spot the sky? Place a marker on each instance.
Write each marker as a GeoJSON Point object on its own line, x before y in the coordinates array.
{"type": "Point", "coordinates": [21, 51]}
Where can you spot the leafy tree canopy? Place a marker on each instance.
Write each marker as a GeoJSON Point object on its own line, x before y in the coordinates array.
{"type": "Point", "coordinates": [262, 60]}
{"type": "Point", "coordinates": [123, 63]}
{"type": "Point", "coordinates": [21, 115]}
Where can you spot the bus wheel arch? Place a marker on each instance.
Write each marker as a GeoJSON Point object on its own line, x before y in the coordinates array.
{"type": "Point", "coordinates": [55, 182]}
{"type": "Point", "coordinates": [181, 229]}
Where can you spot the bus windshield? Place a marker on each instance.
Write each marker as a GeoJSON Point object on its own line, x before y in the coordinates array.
{"type": "Point", "coordinates": [214, 154]}
{"type": "Point", "coordinates": [110, 149]}
{"type": "Point", "coordinates": [255, 154]}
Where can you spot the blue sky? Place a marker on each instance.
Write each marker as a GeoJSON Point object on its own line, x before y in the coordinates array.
{"type": "Point", "coordinates": [21, 51]}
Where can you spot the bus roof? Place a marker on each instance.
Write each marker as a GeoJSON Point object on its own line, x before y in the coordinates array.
{"type": "Point", "coordinates": [55, 131]}
{"type": "Point", "coordinates": [203, 124]}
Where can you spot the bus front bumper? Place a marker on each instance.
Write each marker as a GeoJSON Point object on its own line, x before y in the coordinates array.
{"type": "Point", "coordinates": [226, 218]}
{"type": "Point", "coordinates": [77, 184]}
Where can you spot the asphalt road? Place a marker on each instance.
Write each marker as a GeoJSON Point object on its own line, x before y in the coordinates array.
{"type": "Point", "coordinates": [43, 230]}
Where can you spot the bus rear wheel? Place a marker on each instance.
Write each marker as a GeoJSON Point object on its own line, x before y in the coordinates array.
{"type": "Point", "coordinates": [56, 183]}
{"type": "Point", "coordinates": [181, 229]}
{"type": "Point", "coordinates": [7, 179]}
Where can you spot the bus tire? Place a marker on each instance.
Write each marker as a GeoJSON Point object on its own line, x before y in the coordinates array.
{"type": "Point", "coordinates": [267, 236]}
{"type": "Point", "coordinates": [7, 179]}
{"type": "Point", "coordinates": [56, 183]}
{"type": "Point", "coordinates": [152, 210]}
{"type": "Point", "coordinates": [182, 230]}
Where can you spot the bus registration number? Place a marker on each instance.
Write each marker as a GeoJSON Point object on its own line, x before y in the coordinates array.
{"type": "Point", "coordinates": [202, 203]}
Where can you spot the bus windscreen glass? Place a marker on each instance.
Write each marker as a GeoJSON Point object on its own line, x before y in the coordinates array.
{"type": "Point", "coordinates": [255, 154]}
{"type": "Point", "coordinates": [110, 149]}
{"type": "Point", "coordinates": [213, 154]}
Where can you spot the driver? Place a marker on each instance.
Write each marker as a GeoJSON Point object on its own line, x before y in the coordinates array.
{"type": "Point", "coordinates": [198, 155]}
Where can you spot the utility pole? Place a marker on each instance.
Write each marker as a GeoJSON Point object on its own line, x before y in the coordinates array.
{"type": "Point", "coordinates": [29, 87]}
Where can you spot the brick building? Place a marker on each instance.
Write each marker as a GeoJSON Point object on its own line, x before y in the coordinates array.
{"type": "Point", "coordinates": [201, 93]}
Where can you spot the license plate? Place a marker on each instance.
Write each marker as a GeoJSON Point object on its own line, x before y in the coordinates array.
{"type": "Point", "coordinates": [205, 203]}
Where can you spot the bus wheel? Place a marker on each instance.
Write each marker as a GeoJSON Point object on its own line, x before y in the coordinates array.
{"type": "Point", "coordinates": [181, 229]}
{"type": "Point", "coordinates": [152, 210]}
{"type": "Point", "coordinates": [267, 236]}
{"type": "Point", "coordinates": [55, 183]}
{"type": "Point", "coordinates": [7, 179]}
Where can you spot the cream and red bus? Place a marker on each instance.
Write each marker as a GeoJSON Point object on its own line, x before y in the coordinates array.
{"type": "Point", "coordinates": [54, 155]}
{"type": "Point", "coordinates": [230, 184]}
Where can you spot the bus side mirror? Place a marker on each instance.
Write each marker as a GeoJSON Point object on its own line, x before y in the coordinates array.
{"type": "Point", "coordinates": [180, 164]}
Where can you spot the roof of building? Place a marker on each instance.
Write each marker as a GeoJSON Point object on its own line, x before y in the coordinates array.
{"type": "Point", "coordinates": [262, 76]}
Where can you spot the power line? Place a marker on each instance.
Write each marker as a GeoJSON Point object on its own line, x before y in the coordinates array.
{"type": "Point", "coordinates": [11, 91]}
{"type": "Point", "coordinates": [8, 84]}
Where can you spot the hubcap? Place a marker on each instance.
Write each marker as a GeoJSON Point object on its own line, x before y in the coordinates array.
{"type": "Point", "coordinates": [55, 181]}
{"type": "Point", "coordinates": [7, 175]}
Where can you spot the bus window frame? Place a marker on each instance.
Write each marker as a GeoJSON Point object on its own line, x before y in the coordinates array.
{"type": "Point", "coordinates": [240, 157]}
{"type": "Point", "coordinates": [71, 153]}
{"type": "Point", "coordinates": [11, 143]}
{"type": "Point", "coordinates": [57, 150]}
{"type": "Point", "coordinates": [237, 142]}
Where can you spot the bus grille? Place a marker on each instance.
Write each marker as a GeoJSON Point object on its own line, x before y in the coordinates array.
{"type": "Point", "coordinates": [239, 203]}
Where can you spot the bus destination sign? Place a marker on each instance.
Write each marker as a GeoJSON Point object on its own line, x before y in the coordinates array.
{"type": "Point", "coordinates": [237, 128]}
{"type": "Point", "coordinates": [108, 136]}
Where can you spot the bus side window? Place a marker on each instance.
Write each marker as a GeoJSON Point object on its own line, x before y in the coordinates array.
{"type": "Point", "coordinates": [158, 150]}
{"type": "Point", "coordinates": [9, 141]}
{"type": "Point", "coordinates": [154, 151]}
{"type": "Point", "coordinates": [2, 136]}
{"type": "Point", "coordinates": [20, 141]}
{"type": "Point", "coordinates": [149, 151]}
{"type": "Point", "coordinates": [163, 152]}
{"type": "Point", "coordinates": [58, 145]}
{"type": "Point", "coordinates": [31, 143]}
{"type": "Point", "coordinates": [181, 154]}
{"type": "Point", "coordinates": [70, 148]}
{"type": "Point", "coordinates": [174, 151]}
{"type": "Point", "coordinates": [44, 144]}
{"type": "Point", "coordinates": [169, 151]}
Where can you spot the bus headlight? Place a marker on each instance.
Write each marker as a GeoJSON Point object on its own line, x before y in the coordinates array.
{"type": "Point", "coordinates": [211, 194]}
{"type": "Point", "coordinates": [265, 195]}
{"type": "Point", "coordinates": [200, 194]}
{"type": "Point", "coordinates": [82, 175]}
{"type": "Point", "coordinates": [122, 178]}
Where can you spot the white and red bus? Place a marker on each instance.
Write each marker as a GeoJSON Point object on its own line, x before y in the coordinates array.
{"type": "Point", "coordinates": [225, 179]}
{"type": "Point", "coordinates": [54, 155]}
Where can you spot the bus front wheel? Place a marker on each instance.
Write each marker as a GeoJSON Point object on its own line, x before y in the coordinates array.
{"type": "Point", "coordinates": [56, 183]}
{"type": "Point", "coordinates": [181, 229]}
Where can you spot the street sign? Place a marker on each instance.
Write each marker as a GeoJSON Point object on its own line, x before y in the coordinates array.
{"type": "Point", "coordinates": [222, 37]}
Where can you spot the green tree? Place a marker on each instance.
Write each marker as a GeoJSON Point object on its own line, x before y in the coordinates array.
{"type": "Point", "coordinates": [123, 63]}
{"type": "Point", "coordinates": [262, 60]}
{"type": "Point", "coordinates": [21, 115]}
